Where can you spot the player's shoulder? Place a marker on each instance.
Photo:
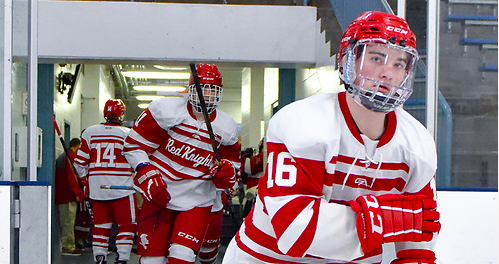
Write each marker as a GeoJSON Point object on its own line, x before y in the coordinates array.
{"type": "Point", "coordinates": [319, 103]}
{"type": "Point", "coordinates": [167, 111]}
{"type": "Point", "coordinates": [93, 128]}
{"type": "Point", "coordinates": [122, 130]}
{"type": "Point", "coordinates": [226, 126]}
{"type": "Point", "coordinates": [306, 124]}
{"type": "Point", "coordinates": [224, 117]}
{"type": "Point", "coordinates": [309, 112]}
{"type": "Point", "coordinates": [167, 106]}
{"type": "Point", "coordinates": [106, 129]}
{"type": "Point", "coordinates": [416, 138]}
{"type": "Point", "coordinates": [409, 124]}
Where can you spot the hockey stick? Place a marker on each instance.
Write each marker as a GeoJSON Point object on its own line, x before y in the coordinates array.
{"type": "Point", "coordinates": [119, 187]}
{"type": "Point", "coordinates": [122, 187]}
{"type": "Point", "coordinates": [205, 112]}
{"type": "Point", "coordinates": [66, 151]}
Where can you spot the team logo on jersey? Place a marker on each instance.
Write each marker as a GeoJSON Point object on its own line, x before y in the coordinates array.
{"type": "Point", "coordinates": [188, 152]}
{"type": "Point", "coordinates": [360, 181]}
{"type": "Point", "coordinates": [144, 241]}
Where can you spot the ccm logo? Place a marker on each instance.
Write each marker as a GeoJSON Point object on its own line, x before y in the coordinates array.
{"type": "Point", "coordinates": [399, 30]}
{"type": "Point", "coordinates": [345, 39]}
{"type": "Point", "coordinates": [189, 237]}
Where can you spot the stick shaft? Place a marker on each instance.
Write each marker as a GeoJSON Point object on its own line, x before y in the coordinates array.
{"type": "Point", "coordinates": [117, 187]}
{"type": "Point", "coordinates": [66, 151]}
{"type": "Point", "coordinates": [205, 111]}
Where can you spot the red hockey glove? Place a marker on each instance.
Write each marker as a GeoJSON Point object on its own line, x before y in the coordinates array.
{"type": "Point", "coordinates": [393, 218]}
{"type": "Point", "coordinates": [415, 256]}
{"type": "Point", "coordinates": [80, 196]}
{"type": "Point", "coordinates": [413, 261]}
{"type": "Point", "coordinates": [151, 185]}
{"type": "Point", "coordinates": [224, 174]}
{"type": "Point", "coordinates": [84, 185]}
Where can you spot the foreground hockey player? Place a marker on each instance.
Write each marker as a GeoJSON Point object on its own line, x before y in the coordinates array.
{"type": "Point", "coordinates": [348, 172]}
{"type": "Point", "coordinates": [169, 148]}
{"type": "Point", "coordinates": [100, 159]}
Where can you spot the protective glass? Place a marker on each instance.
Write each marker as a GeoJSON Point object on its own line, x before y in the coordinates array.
{"type": "Point", "coordinates": [379, 74]}
{"type": "Point", "coordinates": [212, 95]}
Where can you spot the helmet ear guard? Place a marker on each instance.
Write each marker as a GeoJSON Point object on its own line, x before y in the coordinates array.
{"type": "Point", "coordinates": [349, 69]}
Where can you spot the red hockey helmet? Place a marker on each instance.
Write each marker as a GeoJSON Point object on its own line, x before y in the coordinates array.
{"type": "Point", "coordinates": [393, 42]}
{"type": "Point", "coordinates": [378, 25]}
{"type": "Point", "coordinates": [210, 80]}
{"type": "Point", "coordinates": [114, 109]}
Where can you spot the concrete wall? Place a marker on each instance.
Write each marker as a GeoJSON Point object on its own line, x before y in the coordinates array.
{"type": "Point", "coordinates": [93, 89]}
{"type": "Point", "coordinates": [114, 31]}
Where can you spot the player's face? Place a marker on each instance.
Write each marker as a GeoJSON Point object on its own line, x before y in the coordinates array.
{"type": "Point", "coordinates": [382, 63]}
{"type": "Point", "coordinates": [210, 94]}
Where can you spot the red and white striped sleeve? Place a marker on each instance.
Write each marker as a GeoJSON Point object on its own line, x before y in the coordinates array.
{"type": "Point", "coordinates": [144, 138]}
{"type": "Point", "coordinates": [82, 159]}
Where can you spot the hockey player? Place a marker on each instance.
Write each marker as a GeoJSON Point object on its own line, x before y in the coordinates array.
{"type": "Point", "coordinates": [348, 172]}
{"type": "Point", "coordinates": [170, 149]}
{"type": "Point", "coordinates": [100, 159]}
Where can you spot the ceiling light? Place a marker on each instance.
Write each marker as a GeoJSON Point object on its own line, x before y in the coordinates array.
{"type": "Point", "coordinates": [157, 75]}
{"type": "Point", "coordinates": [159, 88]}
{"type": "Point", "coordinates": [148, 97]}
{"type": "Point", "coordinates": [177, 94]}
{"type": "Point", "coordinates": [143, 105]}
{"type": "Point", "coordinates": [166, 68]}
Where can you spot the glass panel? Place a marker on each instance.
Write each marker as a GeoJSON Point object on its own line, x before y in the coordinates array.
{"type": "Point", "coordinates": [19, 120]}
{"type": "Point", "coordinates": [467, 113]}
{"type": "Point", "coordinates": [468, 82]}
{"type": "Point", "coordinates": [5, 79]}
{"type": "Point", "coordinates": [19, 93]}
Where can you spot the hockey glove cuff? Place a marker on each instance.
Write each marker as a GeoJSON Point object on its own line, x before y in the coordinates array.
{"type": "Point", "coordinates": [393, 218]}
{"type": "Point", "coordinates": [415, 256]}
{"type": "Point", "coordinates": [151, 185]}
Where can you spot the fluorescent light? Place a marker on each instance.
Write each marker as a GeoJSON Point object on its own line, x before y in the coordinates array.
{"type": "Point", "coordinates": [143, 105]}
{"type": "Point", "coordinates": [166, 68]}
{"type": "Point", "coordinates": [157, 75]}
{"type": "Point", "coordinates": [169, 94]}
{"type": "Point", "coordinates": [159, 88]}
{"type": "Point", "coordinates": [148, 97]}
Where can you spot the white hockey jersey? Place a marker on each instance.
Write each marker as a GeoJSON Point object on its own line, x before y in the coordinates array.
{"type": "Point", "coordinates": [317, 161]}
{"type": "Point", "coordinates": [168, 136]}
{"type": "Point", "coordinates": [100, 156]}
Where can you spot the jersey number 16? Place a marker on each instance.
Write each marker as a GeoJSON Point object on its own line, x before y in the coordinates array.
{"type": "Point", "coordinates": [278, 173]}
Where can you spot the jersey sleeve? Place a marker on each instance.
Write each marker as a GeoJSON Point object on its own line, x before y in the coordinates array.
{"type": "Point", "coordinates": [144, 138]}
{"type": "Point", "coordinates": [82, 159]}
{"type": "Point", "coordinates": [305, 223]}
{"type": "Point", "coordinates": [231, 153]}
{"type": "Point", "coordinates": [225, 128]}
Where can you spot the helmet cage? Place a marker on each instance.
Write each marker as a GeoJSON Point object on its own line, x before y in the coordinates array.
{"type": "Point", "coordinates": [367, 90]}
{"type": "Point", "coordinates": [212, 95]}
